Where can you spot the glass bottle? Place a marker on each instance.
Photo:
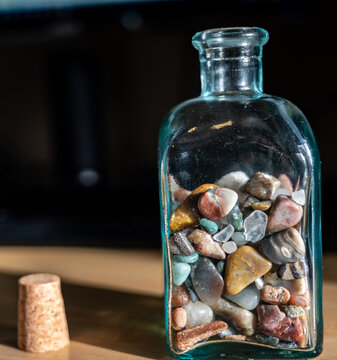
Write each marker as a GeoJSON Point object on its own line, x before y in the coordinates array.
{"type": "Point", "coordinates": [239, 174]}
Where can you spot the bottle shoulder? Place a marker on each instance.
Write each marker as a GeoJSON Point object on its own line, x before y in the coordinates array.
{"type": "Point", "coordinates": [266, 111]}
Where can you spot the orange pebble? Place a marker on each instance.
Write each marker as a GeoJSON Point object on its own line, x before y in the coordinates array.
{"type": "Point", "coordinates": [179, 318]}
{"type": "Point", "coordinates": [299, 300]}
{"type": "Point", "coordinates": [274, 295]}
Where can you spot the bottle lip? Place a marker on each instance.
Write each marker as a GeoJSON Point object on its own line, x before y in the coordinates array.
{"type": "Point", "coordinates": [230, 37]}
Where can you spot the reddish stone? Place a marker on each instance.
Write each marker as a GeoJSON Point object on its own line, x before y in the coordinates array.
{"type": "Point", "coordinates": [284, 213]}
{"type": "Point", "coordinates": [294, 332]}
{"type": "Point", "coordinates": [299, 300]}
{"type": "Point", "coordinates": [274, 322]}
{"type": "Point", "coordinates": [215, 204]}
{"type": "Point", "coordinates": [181, 194]}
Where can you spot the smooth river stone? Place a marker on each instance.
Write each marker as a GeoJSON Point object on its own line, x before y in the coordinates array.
{"type": "Point", "coordinates": [229, 247]}
{"type": "Point", "coordinates": [259, 283]}
{"type": "Point", "coordinates": [178, 318]}
{"type": "Point", "coordinates": [210, 226]}
{"type": "Point", "coordinates": [284, 214]}
{"type": "Point", "coordinates": [217, 203]}
{"type": "Point", "coordinates": [186, 215]}
{"type": "Point", "coordinates": [262, 186]}
{"type": "Point", "coordinates": [197, 313]}
{"type": "Point", "coordinates": [205, 245]}
{"type": "Point", "coordinates": [239, 238]}
{"type": "Point", "coordinates": [234, 180]}
{"type": "Point", "coordinates": [243, 267]}
{"type": "Point", "coordinates": [283, 247]}
{"type": "Point", "coordinates": [207, 281]}
{"type": "Point", "coordinates": [186, 259]}
{"type": "Point", "coordinates": [280, 191]}
{"type": "Point", "coordinates": [180, 296]}
{"type": "Point", "coordinates": [255, 226]}
{"type": "Point", "coordinates": [180, 272]}
{"type": "Point", "coordinates": [248, 298]}
{"type": "Point", "coordinates": [241, 319]}
{"type": "Point", "coordinates": [299, 197]}
{"type": "Point", "coordinates": [225, 234]}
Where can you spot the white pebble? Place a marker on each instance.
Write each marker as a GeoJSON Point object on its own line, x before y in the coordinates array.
{"type": "Point", "coordinates": [299, 197]}
{"type": "Point", "coordinates": [280, 191]}
{"type": "Point", "coordinates": [225, 234]}
{"type": "Point", "coordinates": [255, 226]}
{"type": "Point", "coordinates": [259, 283]}
{"type": "Point", "coordinates": [229, 247]}
{"type": "Point", "coordinates": [239, 238]}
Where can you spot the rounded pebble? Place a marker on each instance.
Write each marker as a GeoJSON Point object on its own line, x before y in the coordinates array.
{"type": "Point", "coordinates": [178, 317]}
{"type": "Point", "coordinates": [210, 226]}
{"type": "Point", "coordinates": [299, 197]}
{"type": "Point", "coordinates": [274, 295]}
{"type": "Point", "coordinates": [239, 238]}
{"type": "Point", "coordinates": [197, 313]}
{"type": "Point", "coordinates": [229, 247]}
{"type": "Point", "coordinates": [259, 283]}
{"type": "Point", "coordinates": [186, 259]}
{"type": "Point", "coordinates": [180, 296]}
{"type": "Point", "coordinates": [180, 272]}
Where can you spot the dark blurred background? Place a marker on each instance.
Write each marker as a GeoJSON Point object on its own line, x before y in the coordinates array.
{"type": "Point", "coordinates": [85, 85]}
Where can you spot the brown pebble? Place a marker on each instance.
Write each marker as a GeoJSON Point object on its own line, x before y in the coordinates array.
{"type": "Point", "coordinates": [274, 295]}
{"type": "Point", "coordinates": [262, 186]}
{"type": "Point", "coordinates": [181, 194]}
{"type": "Point", "coordinates": [235, 337]}
{"type": "Point", "coordinates": [185, 339]}
{"type": "Point", "coordinates": [178, 318]}
{"type": "Point", "coordinates": [263, 205]}
{"type": "Point", "coordinates": [42, 323]}
{"type": "Point", "coordinates": [180, 296]}
{"type": "Point", "coordinates": [299, 300]}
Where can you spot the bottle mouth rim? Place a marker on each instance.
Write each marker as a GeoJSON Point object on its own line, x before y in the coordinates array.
{"type": "Point", "coordinates": [230, 37]}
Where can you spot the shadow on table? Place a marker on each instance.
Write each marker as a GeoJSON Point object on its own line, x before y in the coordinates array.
{"type": "Point", "coordinates": [110, 319]}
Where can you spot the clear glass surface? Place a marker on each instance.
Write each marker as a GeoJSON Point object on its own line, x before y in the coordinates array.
{"type": "Point", "coordinates": [233, 126]}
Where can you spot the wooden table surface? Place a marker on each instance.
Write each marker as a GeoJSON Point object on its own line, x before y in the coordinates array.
{"type": "Point", "coordinates": [114, 302]}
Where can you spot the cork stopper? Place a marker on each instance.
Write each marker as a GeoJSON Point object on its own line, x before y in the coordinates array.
{"type": "Point", "coordinates": [42, 323]}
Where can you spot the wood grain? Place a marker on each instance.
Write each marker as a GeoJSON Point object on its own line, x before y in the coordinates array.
{"type": "Point", "coordinates": [113, 302]}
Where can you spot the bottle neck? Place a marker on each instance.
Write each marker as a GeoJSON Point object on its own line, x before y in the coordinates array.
{"type": "Point", "coordinates": [236, 70]}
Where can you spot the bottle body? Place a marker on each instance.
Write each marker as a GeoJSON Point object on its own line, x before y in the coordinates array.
{"type": "Point", "coordinates": [240, 211]}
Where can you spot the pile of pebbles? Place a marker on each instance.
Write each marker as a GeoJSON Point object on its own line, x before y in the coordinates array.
{"type": "Point", "coordinates": [238, 262]}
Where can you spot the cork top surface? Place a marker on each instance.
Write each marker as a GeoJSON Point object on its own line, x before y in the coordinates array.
{"type": "Point", "coordinates": [39, 279]}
